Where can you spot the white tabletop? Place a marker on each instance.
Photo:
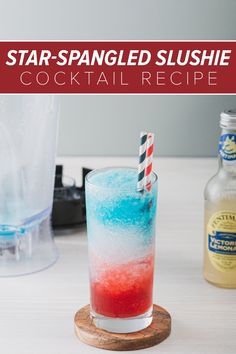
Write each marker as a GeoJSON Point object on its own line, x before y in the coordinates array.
{"type": "Point", "coordinates": [36, 311]}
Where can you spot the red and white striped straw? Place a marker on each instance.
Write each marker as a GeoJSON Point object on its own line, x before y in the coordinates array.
{"type": "Point", "coordinates": [149, 160]}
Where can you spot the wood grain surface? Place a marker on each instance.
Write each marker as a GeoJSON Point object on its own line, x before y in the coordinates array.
{"type": "Point", "coordinates": [88, 333]}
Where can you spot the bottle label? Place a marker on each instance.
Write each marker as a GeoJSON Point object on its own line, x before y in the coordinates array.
{"type": "Point", "coordinates": [227, 147]}
{"type": "Point", "coordinates": [221, 240]}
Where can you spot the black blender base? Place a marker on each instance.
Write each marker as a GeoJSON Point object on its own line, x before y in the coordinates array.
{"type": "Point", "coordinates": [69, 202]}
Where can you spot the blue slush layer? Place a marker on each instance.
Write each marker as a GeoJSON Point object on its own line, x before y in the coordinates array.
{"type": "Point", "coordinates": [116, 178]}
{"type": "Point", "coordinates": [112, 199]}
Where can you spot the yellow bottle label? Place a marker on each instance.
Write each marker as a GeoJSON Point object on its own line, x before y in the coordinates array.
{"type": "Point", "coordinates": [221, 240]}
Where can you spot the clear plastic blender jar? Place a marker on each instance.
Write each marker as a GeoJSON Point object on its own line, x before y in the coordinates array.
{"type": "Point", "coordinates": [28, 134]}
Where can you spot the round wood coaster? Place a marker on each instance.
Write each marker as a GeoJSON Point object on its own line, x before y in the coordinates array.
{"type": "Point", "coordinates": [158, 331]}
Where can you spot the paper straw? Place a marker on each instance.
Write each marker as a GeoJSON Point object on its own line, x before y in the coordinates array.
{"type": "Point", "coordinates": [149, 159]}
{"type": "Point", "coordinates": [142, 160]}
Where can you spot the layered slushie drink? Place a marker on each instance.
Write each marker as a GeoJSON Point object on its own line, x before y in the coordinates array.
{"type": "Point", "coordinates": [121, 236]}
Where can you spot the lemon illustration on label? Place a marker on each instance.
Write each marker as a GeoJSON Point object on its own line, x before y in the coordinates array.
{"type": "Point", "coordinates": [227, 147]}
{"type": "Point", "coordinates": [221, 240]}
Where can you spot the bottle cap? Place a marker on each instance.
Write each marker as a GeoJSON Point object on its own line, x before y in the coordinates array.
{"type": "Point", "coordinates": [228, 119]}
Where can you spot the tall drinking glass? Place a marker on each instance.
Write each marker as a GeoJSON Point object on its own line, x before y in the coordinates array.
{"type": "Point", "coordinates": [121, 242]}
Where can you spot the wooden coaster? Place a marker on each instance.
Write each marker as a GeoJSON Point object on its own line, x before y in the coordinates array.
{"type": "Point", "coordinates": [158, 331]}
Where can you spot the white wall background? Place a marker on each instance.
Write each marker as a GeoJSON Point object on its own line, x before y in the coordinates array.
{"type": "Point", "coordinates": [109, 125]}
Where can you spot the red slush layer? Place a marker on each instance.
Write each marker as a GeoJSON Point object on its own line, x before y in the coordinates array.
{"type": "Point", "coordinates": [125, 290]}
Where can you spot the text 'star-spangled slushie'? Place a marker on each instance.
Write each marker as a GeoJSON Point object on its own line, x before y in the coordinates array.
{"type": "Point", "coordinates": [121, 235]}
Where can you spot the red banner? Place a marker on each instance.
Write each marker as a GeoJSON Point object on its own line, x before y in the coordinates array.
{"type": "Point", "coordinates": [151, 67]}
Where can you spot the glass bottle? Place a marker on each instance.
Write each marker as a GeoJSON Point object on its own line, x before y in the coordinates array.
{"type": "Point", "coordinates": [220, 210]}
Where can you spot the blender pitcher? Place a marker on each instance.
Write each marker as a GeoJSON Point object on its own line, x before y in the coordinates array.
{"type": "Point", "coordinates": [28, 134]}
